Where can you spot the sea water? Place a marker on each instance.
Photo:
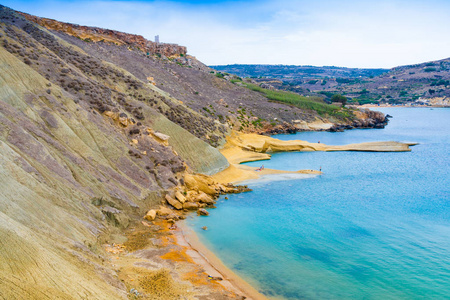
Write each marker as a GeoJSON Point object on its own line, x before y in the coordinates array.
{"type": "Point", "coordinates": [373, 226]}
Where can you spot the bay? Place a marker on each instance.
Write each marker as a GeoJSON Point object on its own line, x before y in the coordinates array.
{"type": "Point", "coordinates": [373, 226]}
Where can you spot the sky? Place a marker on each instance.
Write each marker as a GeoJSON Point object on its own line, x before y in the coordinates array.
{"type": "Point", "coordinates": [345, 33]}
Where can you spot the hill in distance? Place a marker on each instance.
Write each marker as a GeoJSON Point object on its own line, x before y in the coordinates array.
{"type": "Point", "coordinates": [420, 84]}
{"type": "Point", "coordinates": [291, 72]}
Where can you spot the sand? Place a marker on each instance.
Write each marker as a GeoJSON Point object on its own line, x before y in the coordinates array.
{"type": "Point", "coordinates": [212, 265]}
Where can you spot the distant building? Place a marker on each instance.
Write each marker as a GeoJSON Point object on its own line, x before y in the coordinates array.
{"type": "Point", "coordinates": [157, 39]}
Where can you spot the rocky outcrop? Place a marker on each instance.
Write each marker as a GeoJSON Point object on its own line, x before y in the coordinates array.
{"type": "Point", "coordinates": [95, 34]}
{"type": "Point", "coordinates": [199, 191]}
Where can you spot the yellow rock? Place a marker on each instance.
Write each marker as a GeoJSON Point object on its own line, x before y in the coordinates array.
{"type": "Point", "coordinates": [201, 182]}
{"type": "Point", "coordinates": [179, 196]}
{"type": "Point", "coordinates": [190, 205]}
{"type": "Point", "coordinates": [164, 211]}
{"type": "Point", "coordinates": [241, 147]}
{"type": "Point", "coordinates": [151, 215]}
{"type": "Point", "coordinates": [204, 198]}
{"type": "Point", "coordinates": [175, 203]}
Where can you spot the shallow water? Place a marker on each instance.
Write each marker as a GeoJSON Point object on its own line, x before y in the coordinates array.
{"type": "Point", "coordinates": [374, 226]}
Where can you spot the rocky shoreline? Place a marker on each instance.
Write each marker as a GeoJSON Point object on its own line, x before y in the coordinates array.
{"type": "Point", "coordinates": [364, 119]}
{"type": "Point", "coordinates": [201, 191]}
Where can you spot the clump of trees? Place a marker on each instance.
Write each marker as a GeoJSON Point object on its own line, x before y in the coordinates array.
{"type": "Point", "coordinates": [339, 98]}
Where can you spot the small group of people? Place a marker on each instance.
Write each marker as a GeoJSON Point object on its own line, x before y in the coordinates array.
{"type": "Point", "coordinates": [260, 168]}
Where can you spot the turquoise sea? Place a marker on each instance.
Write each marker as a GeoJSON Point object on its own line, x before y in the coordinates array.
{"type": "Point", "coordinates": [373, 226]}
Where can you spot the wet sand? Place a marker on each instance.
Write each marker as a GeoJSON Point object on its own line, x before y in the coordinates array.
{"type": "Point", "coordinates": [212, 265]}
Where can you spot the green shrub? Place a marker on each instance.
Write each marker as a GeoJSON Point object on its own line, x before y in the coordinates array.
{"type": "Point", "coordinates": [364, 91]}
{"type": "Point", "coordinates": [339, 98]}
{"type": "Point", "coordinates": [343, 80]}
{"type": "Point", "coordinates": [440, 82]}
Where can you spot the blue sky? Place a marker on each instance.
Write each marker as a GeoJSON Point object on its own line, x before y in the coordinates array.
{"type": "Point", "coordinates": [350, 33]}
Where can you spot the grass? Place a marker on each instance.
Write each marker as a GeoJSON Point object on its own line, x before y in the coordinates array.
{"type": "Point", "coordinates": [309, 103]}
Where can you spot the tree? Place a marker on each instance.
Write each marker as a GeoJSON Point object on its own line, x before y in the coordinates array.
{"type": "Point", "coordinates": [339, 98]}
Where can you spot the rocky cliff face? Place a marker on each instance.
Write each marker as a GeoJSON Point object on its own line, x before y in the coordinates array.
{"type": "Point", "coordinates": [96, 34]}
{"type": "Point", "coordinates": [86, 149]}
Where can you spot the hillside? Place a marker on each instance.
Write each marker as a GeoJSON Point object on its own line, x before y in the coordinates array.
{"type": "Point", "coordinates": [83, 157]}
{"type": "Point", "coordinates": [426, 83]}
{"type": "Point", "coordinates": [288, 73]}
{"type": "Point", "coordinates": [99, 127]}
{"type": "Point", "coordinates": [421, 84]}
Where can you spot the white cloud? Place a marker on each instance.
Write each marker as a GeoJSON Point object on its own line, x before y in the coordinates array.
{"type": "Point", "coordinates": [342, 33]}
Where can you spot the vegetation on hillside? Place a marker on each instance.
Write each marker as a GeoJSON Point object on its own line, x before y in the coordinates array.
{"type": "Point", "coordinates": [314, 103]}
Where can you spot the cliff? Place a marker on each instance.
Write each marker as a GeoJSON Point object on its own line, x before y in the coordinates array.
{"type": "Point", "coordinates": [86, 151]}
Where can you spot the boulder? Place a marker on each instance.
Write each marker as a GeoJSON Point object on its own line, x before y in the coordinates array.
{"type": "Point", "coordinates": [201, 183]}
{"type": "Point", "coordinates": [204, 198]}
{"type": "Point", "coordinates": [164, 211]}
{"type": "Point", "coordinates": [202, 212]}
{"type": "Point", "coordinates": [190, 205]}
{"type": "Point", "coordinates": [175, 203]}
{"type": "Point", "coordinates": [190, 196]}
{"type": "Point", "coordinates": [151, 215]}
{"type": "Point", "coordinates": [180, 197]}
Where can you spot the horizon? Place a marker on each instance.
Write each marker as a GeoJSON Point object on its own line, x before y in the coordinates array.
{"type": "Point", "coordinates": [328, 33]}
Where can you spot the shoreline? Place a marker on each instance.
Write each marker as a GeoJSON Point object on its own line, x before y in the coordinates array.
{"type": "Point", "coordinates": [401, 106]}
{"type": "Point", "coordinates": [251, 147]}
{"type": "Point", "coordinates": [212, 265]}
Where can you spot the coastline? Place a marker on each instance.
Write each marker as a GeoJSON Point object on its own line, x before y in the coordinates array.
{"type": "Point", "coordinates": [252, 147]}
{"type": "Point", "coordinates": [212, 265]}
{"type": "Point", "coordinates": [400, 106]}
